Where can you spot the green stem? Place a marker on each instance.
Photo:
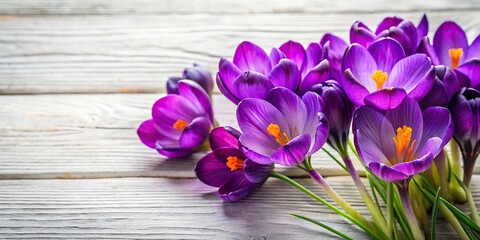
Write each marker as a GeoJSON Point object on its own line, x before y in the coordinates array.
{"type": "Point", "coordinates": [455, 157]}
{"type": "Point", "coordinates": [452, 220]}
{"type": "Point", "coordinates": [390, 211]}
{"type": "Point", "coordinates": [365, 227]}
{"type": "Point", "coordinates": [372, 207]}
{"type": "Point", "coordinates": [471, 205]}
{"type": "Point", "coordinates": [411, 218]}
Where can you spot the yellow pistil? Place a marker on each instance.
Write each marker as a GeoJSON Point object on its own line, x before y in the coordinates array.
{"type": "Point", "coordinates": [234, 163]}
{"type": "Point", "coordinates": [380, 77]}
{"type": "Point", "coordinates": [455, 55]}
{"type": "Point", "coordinates": [180, 125]}
{"type": "Point", "coordinates": [402, 144]}
{"type": "Point", "coordinates": [274, 130]}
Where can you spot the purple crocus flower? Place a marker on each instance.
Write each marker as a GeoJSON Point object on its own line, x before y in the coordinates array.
{"type": "Point", "coordinates": [283, 128]}
{"type": "Point", "coordinates": [465, 108]}
{"type": "Point", "coordinates": [227, 168]}
{"type": "Point", "coordinates": [384, 76]}
{"type": "Point", "coordinates": [197, 73]}
{"type": "Point", "coordinates": [447, 83]}
{"type": "Point", "coordinates": [180, 123]}
{"type": "Point", "coordinates": [401, 30]}
{"type": "Point", "coordinates": [333, 49]}
{"type": "Point", "coordinates": [339, 113]}
{"type": "Point", "coordinates": [253, 73]}
{"type": "Point", "coordinates": [403, 141]}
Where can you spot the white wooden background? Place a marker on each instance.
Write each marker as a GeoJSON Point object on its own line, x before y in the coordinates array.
{"type": "Point", "coordinates": [77, 77]}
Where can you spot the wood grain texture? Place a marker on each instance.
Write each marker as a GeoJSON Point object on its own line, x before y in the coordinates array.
{"type": "Point", "coordinates": [113, 54]}
{"type": "Point", "coordinates": [92, 136]}
{"type": "Point", "coordinates": [169, 209]}
{"type": "Point", "coordinates": [129, 7]}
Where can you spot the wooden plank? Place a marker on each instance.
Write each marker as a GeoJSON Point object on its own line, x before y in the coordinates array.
{"type": "Point", "coordinates": [89, 7]}
{"type": "Point", "coordinates": [169, 209]}
{"type": "Point", "coordinates": [91, 136]}
{"type": "Point", "coordinates": [110, 54]}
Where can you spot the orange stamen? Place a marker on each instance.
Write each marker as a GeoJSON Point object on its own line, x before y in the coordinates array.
{"type": "Point", "coordinates": [403, 147]}
{"type": "Point", "coordinates": [380, 77]}
{"type": "Point", "coordinates": [274, 130]}
{"type": "Point", "coordinates": [180, 125]}
{"type": "Point", "coordinates": [455, 55]}
{"type": "Point", "coordinates": [234, 163]}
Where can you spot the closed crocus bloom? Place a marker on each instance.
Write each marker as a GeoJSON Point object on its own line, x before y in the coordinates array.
{"type": "Point", "coordinates": [382, 76]}
{"type": "Point", "coordinates": [227, 168]}
{"type": "Point", "coordinates": [283, 128]}
{"type": "Point", "coordinates": [180, 122]}
{"type": "Point", "coordinates": [253, 73]}
{"type": "Point", "coordinates": [447, 83]}
{"type": "Point", "coordinates": [339, 113]}
{"type": "Point", "coordinates": [197, 73]}
{"type": "Point", "coordinates": [465, 108]}
{"type": "Point", "coordinates": [401, 30]}
{"type": "Point", "coordinates": [402, 142]}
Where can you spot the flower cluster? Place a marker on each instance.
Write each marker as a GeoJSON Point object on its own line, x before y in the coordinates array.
{"type": "Point", "coordinates": [403, 97]}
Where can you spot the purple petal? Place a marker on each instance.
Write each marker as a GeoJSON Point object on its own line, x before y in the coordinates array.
{"type": "Point", "coordinates": [321, 134]}
{"type": "Point", "coordinates": [354, 89]}
{"type": "Point", "coordinates": [285, 74]}
{"type": "Point", "coordinates": [294, 152]}
{"type": "Point", "coordinates": [295, 52]}
{"type": "Point", "coordinates": [359, 33]}
{"type": "Point", "coordinates": [195, 133]}
{"type": "Point", "coordinates": [258, 147]}
{"type": "Point", "coordinates": [385, 99]}
{"type": "Point", "coordinates": [411, 71]}
{"type": "Point", "coordinates": [257, 173]}
{"type": "Point", "coordinates": [197, 96]}
{"type": "Point", "coordinates": [167, 110]}
{"type": "Point", "coordinates": [424, 85]}
{"type": "Point", "coordinates": [449, 36]}
{"type": "Point", "coordinates": [250, 57]}
{"type": "Point", "coordinates": [437, 123]}
{"type": "Point", "coordinates": [291, 106]}
{"type": "Point", "coordinates": [222, 137]}
{"type": "Point", "coordinates": [254, 116]}
{"type": "Point", "coordinates": [313, 57]}
{"type": "Point", "coordinates": [172, 85]}
{"type": "Point", "coordinates": [411, 38]}
{"type": "Point", "coordinates": [222, 154]}
{"type": "Point", "coordinates": [415, 166]}
{"type": "Point", "coordinates": [386, 52]}
{"type": "Point", "coordinates": [437, 96]}
{"type": "Point", "coordinates": [422, 28]}
{"type": "Point", "coordinates": [362, 70]}
{"type": "Point", "coordinates": [462, 115]}
{"type": "Point", "coordinates": [472, 69]}
{"type": "Point", "coordinates": [148, 133]}
{"type": "Point", "coordinates": [175, 152]}
{"type": "Point", "coordinates": [426, 48]}
{"type": "Point", "coordinates": [387, 173]}
{"type": "Point", "coordinates": [212, 171]}
{"type": "Point", "coordinates": [227, 74]}
{"type": "Point", "coordinates": [275, 56]}
{"type": "Point", "coordinates": [334, 48]}
{"type": "Point", "coordinates": [474, 49]}
{"type": "Point", "coordinates": [317, 75]}
{"type": "Point", "coordinates": [236, 188]}
{"type": "Point", "coordinates": [314, 105]}
{"type": "Point", "coordinates": [387, 23]}
{"type": "Point", "coordinates": [252, 85]}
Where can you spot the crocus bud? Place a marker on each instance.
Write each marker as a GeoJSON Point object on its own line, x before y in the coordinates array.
{"type": "Point", "coordinates": [339, 112]}
{"type": "Point", "coordinates": [465, 109]}
{"type": "Point", "coordinates": [198, 74]}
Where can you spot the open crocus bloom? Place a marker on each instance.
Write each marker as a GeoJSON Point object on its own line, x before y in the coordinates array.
{"type": "Point", "coordinates": [284, 128]}
{"type": "Point", "coordinates": [401, 30]}
{"type": "Point", "coordinates": [381, 76]}
{"type": "Point", "coordinates": [403, 141]}
{"type": "Point", "coordinates": [253, 73]}
{"type": "Point", "coordinates": [180, 123]}
{"type": "Point", "coordinates": [226, 167]}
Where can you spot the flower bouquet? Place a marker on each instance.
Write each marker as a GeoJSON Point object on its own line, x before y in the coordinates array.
{"type": "Point", "coordinates": [403, 97]}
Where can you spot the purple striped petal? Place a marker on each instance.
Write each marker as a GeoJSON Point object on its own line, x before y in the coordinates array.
{"type": "Point", "coordinates": [386, 52]}
{"type": "Point", "coordinates": [227, 74]}
{"type": "Point", "coordinates": [362, 70]}
{"type": "Point", "coordinates": [426, 48]}
{"type": "Point", "coordinates": [410, 72]}
{"type": "Point", "coordinates": [250, 57]}
{"type": "Point", "coordinates": [318, 74]}
{"type": "Point", "coordinates": [148, 133]}
{"type": "Point", "coordinates": [359, 33]}
{"type": "Point", "coordinates": [449, 36]}
{"type": "Point", "coordinates": [313, 57]}
{"type": "Point", "coordinates": [387, 173]}
{"type": "Point", "coordinates": [252, 85]}
{"type": "Point", "coordinates": [275, 56]}
{"type": "Point", "coordinates": [474, 49]}
{"type": "Point", "coordinates": [334, 48]}
{"type": "Point", "coordinates": [407, 113]}
{"type": "Point", "coordinates": [472, 69]}
{"type": "Point", "coordinates": [422, 28]}
{"type": "Point", "coordinates": [285, 74]}
{"type": "Point", "coordinates": [236, 188]}
{"type": "Point", "coordinates": [415, 166]}
{"type": "Point", "coordinates": [387, 23]}
{"type": "Point", "coordinates": [212, 171]}
{"type": "Point", "coordinates": [290, 105]}
{"type": "Point", "coordinates": [195, 133]}
{"type": "Point", "coordinates": [295, 52]}
{"type": "Point", "coordinates": [294, 152]}
{"type": "Point", "coordinates": [385, 99]}
{"type": "Point", "coordinates": [257, 173]}
{"type": "Point", "coordinates": [321, 134]}
{"type": "Point", "coordinates": [354, 89]}
{"type": "Point", "coordinates": [197, 96]}
{"type": "Point", "coordinates": [314, 105]}
{"type": "Point", "coordinates": [221, 137]}
{"type": "Point", "coordinates": [437, 123]}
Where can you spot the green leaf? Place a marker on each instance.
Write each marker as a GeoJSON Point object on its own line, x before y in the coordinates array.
{"type": "Point", "coordinates": [338, 233]}
{"type": "Point", "coordinates": [434, 214]}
